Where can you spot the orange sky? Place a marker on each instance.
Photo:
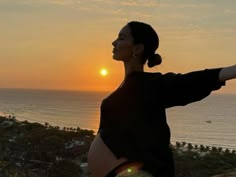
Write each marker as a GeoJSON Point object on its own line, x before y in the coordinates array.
{"type": "Point", "coordinates": [57, 44]}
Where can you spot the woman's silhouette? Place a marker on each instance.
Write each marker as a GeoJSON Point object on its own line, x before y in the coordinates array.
{"type": "Point", "coordinates": [133, 133]}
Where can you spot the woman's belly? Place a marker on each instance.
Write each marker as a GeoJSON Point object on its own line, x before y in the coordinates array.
{"type": "Point", "coordinates": [100, 159]}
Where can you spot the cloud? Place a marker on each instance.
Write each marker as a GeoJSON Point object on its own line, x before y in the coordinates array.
{"type": "Point", "coordinates": [193, 14]}
{"type": "Point", "coordinates": [32, 3]}
{"type": "Point", "coordinates": [139, 3]}
{"type": "Point", "coordinates": [230, 11]}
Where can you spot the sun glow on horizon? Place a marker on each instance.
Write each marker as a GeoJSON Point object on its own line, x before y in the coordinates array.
{"type": "Point", "coordinates": [103, 72]}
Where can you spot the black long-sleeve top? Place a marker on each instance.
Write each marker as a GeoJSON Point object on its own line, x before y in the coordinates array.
{"type": "Point", "coordinates": [133, 118]}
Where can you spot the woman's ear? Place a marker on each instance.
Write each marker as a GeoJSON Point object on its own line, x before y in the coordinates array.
{"type": "Point", "coordinates": [138, 49]}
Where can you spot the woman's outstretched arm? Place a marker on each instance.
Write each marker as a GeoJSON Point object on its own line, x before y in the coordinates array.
{"type": "Point", "coordinates": [227, 73]}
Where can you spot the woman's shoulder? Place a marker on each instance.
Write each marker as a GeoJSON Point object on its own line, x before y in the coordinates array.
{"type": "Point", "coordinates": [145, 74]}
{"type": "Point", "coordinates": [157, 75]}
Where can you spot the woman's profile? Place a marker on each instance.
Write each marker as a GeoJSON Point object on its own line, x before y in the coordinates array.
{"type": "Point", "coordinates": [133, 133]}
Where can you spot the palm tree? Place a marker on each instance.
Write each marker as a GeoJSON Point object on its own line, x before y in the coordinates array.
{"type": "Point", "coordinates": [220, 149]}
{"type": "Point", "coordinates": [214, 149]}
{"type": "Point", "coordinates": [202, 148]}
{"type": "Point", "coordinates": [190, 146]}
{"type": "Point", "coordinates": [78, 129]}
{"type": "Point", "coordinates": [178, 144]}
{"type": "Point", "coordinates": [207, 148]}
{"type": "Point", "coordinates": [227, 151]}
{"type": "Point", "coordinates": [46, 124]}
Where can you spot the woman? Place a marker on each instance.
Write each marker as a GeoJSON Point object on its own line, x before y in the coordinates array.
{"type": "Point", "coordinates": [133, 133]}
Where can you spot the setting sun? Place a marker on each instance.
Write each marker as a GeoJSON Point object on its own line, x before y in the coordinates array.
{"type": "Point", "coordinates": [103, 72]}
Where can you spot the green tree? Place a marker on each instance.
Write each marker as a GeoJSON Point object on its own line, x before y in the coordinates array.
{"type": "Point", "coordinates": [78, 129]}
{"type": "Point", "coordinates": [207, 148]}
{"type": "Point", "coordinates": [202, 148]}
{"type": "Point", "coordinates": [190, 146]}
{"type": "Point", "coordinates": [220, 149]}
{"type": "Point", "coordinates": [178, 144]}
{"type": "Point", "coordinates": [214, 150]}
{"type": "Point", "coordinates": [227, 151]}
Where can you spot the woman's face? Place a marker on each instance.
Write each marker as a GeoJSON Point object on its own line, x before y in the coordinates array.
{"type": "Point", "coordinates": [123, 45]}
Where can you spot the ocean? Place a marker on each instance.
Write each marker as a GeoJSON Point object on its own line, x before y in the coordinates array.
{"type": "Point", "coordinates": [211, 121]}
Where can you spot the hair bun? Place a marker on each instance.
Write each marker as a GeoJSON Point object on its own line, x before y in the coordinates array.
{"type": "Point", "coordinates": [154, 60]}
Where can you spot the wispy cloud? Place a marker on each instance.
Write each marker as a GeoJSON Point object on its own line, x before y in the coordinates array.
{"type": "Point", "coordinates": [139, 3]}
{"type": "Point", "coordinates": [93, 5]}
{"type": "Point", "coordinates": [230, 11]}
{"type": "Point", "coordinates": [191, 13]}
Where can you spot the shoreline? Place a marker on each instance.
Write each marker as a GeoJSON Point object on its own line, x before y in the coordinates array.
{"type": "Point", "coordinates": [74, 127]}
{"type": "Point", "coordinates": [224, 146]}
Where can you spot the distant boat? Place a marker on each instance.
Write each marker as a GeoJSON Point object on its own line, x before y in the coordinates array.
{"type": "Point", "coordinates": [208, 121]}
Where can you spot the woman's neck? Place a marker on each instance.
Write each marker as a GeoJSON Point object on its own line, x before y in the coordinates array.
{"type": "Point", "coordinates": [130, 68]}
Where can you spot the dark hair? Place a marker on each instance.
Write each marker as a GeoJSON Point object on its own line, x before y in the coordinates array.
{"type": "Point", "coordinates": [143, 33]}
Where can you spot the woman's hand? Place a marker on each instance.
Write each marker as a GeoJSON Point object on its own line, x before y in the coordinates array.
{"type": "Point", "coordinates": [227, 73]}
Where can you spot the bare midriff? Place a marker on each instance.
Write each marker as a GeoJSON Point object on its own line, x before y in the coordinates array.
{"type": "Point", "coordinates": [101, 160]}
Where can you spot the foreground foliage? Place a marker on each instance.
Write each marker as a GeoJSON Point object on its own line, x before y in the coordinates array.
{"type": "Point", "coordinates": [36, 150]}
{"type": "Point", "coordinates": [203, 161]}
